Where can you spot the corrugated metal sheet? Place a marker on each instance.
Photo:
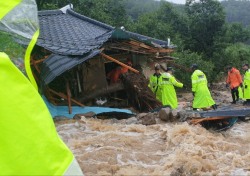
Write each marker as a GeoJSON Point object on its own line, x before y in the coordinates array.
{"type": "Point", "coordinates": [227, 113]}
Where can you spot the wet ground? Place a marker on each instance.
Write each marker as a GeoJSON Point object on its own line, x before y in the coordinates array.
{"type": "Point", "coordinates": [116, 147]}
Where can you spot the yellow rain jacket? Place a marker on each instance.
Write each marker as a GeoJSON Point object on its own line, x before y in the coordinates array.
{"type": "Point", "coordinates": [202, 96]}
{"type": "Point", "coordinates": [30, 144]}
{"type": "Point", "coordinates": [168, 91]}
{"type": "Point", "coordinates": [154, 85]}
{"type": "Point", "coordinates": [247, 84]}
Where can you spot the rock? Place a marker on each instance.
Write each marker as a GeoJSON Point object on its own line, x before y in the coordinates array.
{"type": "Point", "coordinates": [165, 114]}
{"type": "Point", "coordinates": [77, 117]}
{"type": "Point", "coordinates": [141, 115]}
{"type": "Point", "coordinates": [183, 115]}
{"type": "Point", "coordinates": [149, 119]}
{"type": "Point", "coordinates": [60, 118]}
{"type": "Point", "coordinates": [132, 120]}
{"type": "Point", "coordinates": [87, 115]}
{"type": "Point", "coordinates": [175, 115]}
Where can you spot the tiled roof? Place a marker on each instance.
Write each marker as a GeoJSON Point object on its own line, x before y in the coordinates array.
{"type": "Point", "coordinates": [55, 65]}
{"type": "Point", "coordinates": [70, 33]}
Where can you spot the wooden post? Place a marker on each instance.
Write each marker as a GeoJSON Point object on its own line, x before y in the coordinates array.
{"type": "Point", "coordinates": [68, 96]}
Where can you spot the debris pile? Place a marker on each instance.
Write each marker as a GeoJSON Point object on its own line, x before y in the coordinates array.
{"type": "Point", "coordinates": [139, 94]}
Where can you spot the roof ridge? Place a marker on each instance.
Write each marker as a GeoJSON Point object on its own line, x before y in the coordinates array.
{"type": "Point", "coordinates": [70, 11]}
{"type": "Point", "coordinates": [49, 12]}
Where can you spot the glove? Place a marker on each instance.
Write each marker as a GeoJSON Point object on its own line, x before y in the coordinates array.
{"type": "Point", "coordinates": [241, 85]}
{"type": "Point", "coordinates": [245, 86]}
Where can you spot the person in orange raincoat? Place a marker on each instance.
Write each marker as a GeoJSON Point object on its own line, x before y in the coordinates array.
{"type": "Point", "coordinates": [234, 80]}
{"type": "Point", "coordinates": [114, 75]}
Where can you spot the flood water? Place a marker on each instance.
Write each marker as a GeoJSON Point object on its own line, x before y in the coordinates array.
{"type": "Point", "coordinates": [112, 147]}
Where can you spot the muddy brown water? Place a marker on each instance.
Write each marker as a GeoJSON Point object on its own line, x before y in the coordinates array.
{"type": "Point", "coordinates": [111, 147]}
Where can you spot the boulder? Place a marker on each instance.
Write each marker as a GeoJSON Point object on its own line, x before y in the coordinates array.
{"type": "Point", "coordinates": [165, 114]}
{"type": "Point", "coordinates": [149, 119]}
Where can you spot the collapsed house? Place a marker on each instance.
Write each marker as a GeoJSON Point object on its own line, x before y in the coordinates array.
{"type": "Point", "coordinates": [75, 56]}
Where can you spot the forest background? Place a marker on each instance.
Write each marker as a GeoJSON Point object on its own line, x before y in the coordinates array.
{"type": "Point", "coordinates": [210, 33]}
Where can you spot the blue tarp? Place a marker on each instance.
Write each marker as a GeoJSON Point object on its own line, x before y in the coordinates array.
{"type": "Point", "coordinates": [64, 111]}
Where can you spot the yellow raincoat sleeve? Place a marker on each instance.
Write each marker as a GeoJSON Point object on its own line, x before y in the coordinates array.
{"type": "Point", "coordinates": [175, 83]}
{"type": "Point", "coordinates": [30, 144]}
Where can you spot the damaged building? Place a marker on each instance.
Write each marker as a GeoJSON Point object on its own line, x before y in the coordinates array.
{"type": "Point", "coordinates": [80, 61]}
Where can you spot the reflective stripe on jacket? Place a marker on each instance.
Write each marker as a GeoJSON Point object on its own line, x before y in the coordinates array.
{"type": "Point", "coordinates": [202, 98]}
{"type": "Point", "coordinates": [247, 84]}
{"type": "Point", "coordinates": [234, 78]}
{"type": "Point", "coordinates": [168, 91]}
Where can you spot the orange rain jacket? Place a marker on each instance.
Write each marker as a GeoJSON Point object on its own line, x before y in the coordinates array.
{"type": "Point", "coordinates": [234, 78]}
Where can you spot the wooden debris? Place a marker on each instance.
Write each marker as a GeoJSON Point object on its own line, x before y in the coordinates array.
{"type": "Point", "coordinates": [139, 94]}
{"type": "Point", "coordinates": [65, 97]}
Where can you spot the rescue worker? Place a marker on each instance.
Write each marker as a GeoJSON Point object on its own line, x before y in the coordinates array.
{"type": "Point", "coordinates": [28, 147]}
{"type": "Point", "coordinates": [201, 93]}
{"type": "Point", "coordinates": [115, 74]}
{"type": "Point", "coordinates": [234, 80]}
{"type": "Point", "coordinates": [168, 91]}
{"type": "Point", "coordinates": [246, 87]}
{"type": "Point", "coordinates": [155, 81]}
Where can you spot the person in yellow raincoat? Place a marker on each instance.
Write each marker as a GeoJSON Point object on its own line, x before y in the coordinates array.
{"type": "Point", "coordinates": [155, 81]}
{"type": "Point", "coordinates": [201, 93]}
{"type": "Point", "coordinates": [168, 85]}
{"type": "Point", "coordinates": [246, 84]}
{"type": "Point", "coordinates": [30, 144]}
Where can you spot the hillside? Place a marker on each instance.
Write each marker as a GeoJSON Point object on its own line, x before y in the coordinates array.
{"type": "Point", "coordinates": [236, 11]}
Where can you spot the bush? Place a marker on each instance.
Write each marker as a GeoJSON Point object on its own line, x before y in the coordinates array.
{"type": "Point", "coordinates": [186, 59]}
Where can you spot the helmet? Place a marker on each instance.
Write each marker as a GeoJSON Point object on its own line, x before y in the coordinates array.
{"type": "Point", "coordinates": [157, 66]}
{"type": "Point", "coordinates": [245, 64]}
{"type": "Point", "coordinates": [169, 69]}
{"type": "Point", "coordinates": [194, 66]}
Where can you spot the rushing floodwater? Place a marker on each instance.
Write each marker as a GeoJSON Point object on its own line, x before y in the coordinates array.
{"type": "Point", "coordinates": [110, 147]}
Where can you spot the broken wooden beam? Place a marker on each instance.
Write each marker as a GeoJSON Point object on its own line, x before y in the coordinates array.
{"type": "Point", "coordinates": [120, 63]}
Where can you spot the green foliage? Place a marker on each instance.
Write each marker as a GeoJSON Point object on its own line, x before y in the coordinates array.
{"type": "Point", "coordinates": [188, 58]}
{"type": "Point", "coordinates": [237, 33]}
{"type": "Point", "coordinates": [162, 24]}
{"type": "Point", "coordinates": [136, 8]}
{"type": "Point", "coordinates": [237, 11]}
{"type": "Point", "coordinates": [206, 20]}
{"type": "Point", "coordinates": [237, 54]}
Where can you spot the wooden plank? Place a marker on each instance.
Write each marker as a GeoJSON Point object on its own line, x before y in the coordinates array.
{"type": "Point", "coordinates": [65, 97]}
{"type": "Point", "coordinates": [120, 63]}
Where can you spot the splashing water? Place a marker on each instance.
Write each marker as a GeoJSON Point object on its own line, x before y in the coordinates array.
{"type": "Point", "coordinates": [108, 147]}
